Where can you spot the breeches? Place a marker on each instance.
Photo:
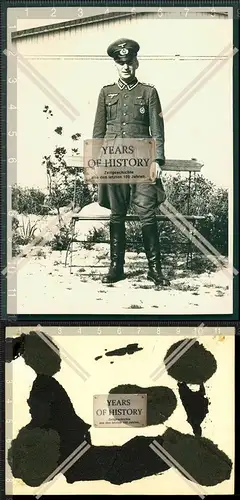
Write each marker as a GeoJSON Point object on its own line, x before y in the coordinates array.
{"type": "Point", "coordinates": [142, 197]}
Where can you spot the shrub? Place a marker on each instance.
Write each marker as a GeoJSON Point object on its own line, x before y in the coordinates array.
{"type": "Point", "coordinates": [29, 201]}
{"type": "Point", "coordinates": [26, 232]}
{"type": "Point", "coordinates": [21, 234]}
{"type": "Point", "coordinates": [201, 264]}
{"type": "Point", "coordinates": [95, 236]}
{"type": "Point", "coordinates": [207, 200]}
{"type": "Point", "coordinates": [61, 239]}
{"type": "Point", "coordinates": [15, 237]}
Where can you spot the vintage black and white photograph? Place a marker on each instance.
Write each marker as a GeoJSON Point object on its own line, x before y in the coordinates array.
{"type": "Point", "coordinates": [57, 379]}
{"type": "Point", "coordinates": [83, 246]}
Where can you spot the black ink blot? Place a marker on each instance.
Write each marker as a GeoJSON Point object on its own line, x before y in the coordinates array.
{"type": "Point", "coordinates": [55, 430]}
{"type": "Point", "coordinates": [195, 404]}
{"type": "Point", "coordinates": [33, 454]}
{"type": "Point", "coordinates": [161, 401]}
{"type": "Point", "coordinates": [129, 349]}
{"type": "Point", "coordinates": [194, 366]}
{"type": "Point", "coordinates": [38, 354]}
{"type": "Point", "coordinates": [14, 347]}
{"type": "Point", "coordinates": [199, 456]}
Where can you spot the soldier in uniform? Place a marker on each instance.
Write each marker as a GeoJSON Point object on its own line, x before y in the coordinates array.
{"type": "Point", "coordinates": [131, 109]}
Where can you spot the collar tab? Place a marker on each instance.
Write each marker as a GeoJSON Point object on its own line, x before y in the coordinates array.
{"type": "Point", "coordinates": [124, 85]}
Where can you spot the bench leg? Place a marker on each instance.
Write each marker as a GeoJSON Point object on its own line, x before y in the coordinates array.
{"type": "Point", "coordinates": [188, 253]}
{"type": "Point", "coordinates": [67, 252]}
{"type": "Point", "coordinates": [190, 248]}
{"type": "Point", "coordinates": [70, 246]}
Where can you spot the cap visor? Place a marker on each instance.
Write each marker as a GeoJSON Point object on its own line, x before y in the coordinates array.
{"type": "Point", "coordinates": [123, 59]}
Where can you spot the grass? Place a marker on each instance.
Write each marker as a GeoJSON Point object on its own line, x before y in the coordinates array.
{"type": "Point", "coordinates": [144, 287]}
{"type": "Point", "coordinates": [184, 287]}
{"type": "Point", "coordinates": [134, 306]}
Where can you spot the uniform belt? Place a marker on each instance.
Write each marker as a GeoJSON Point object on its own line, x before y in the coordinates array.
{"type": "Point", "coordinates": [113, 129]}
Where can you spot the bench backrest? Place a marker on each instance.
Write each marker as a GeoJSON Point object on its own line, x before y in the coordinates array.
{"type": "Point", "coordinates": [171, 165]}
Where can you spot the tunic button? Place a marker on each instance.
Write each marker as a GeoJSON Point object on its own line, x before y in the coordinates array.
{"type": "Point", "coordinates": [124, 123]}
{"type": "Point", "coordinates": [125, 95]}
{"type": "Point", "coordinates": [124, 133]}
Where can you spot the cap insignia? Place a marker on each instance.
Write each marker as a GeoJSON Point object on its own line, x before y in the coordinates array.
{"type": "Point", "coordinates": [123, 52]}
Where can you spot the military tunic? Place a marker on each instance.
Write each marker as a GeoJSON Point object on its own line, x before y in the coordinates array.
{"type": "Point", "coordinates": [131, 111]}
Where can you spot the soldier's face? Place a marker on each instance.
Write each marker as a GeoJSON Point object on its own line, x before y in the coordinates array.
{"type": "Point", "coordinates": [126, 70]}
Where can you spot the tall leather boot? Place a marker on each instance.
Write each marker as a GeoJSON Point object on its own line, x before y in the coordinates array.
{"type": "Point", "coordinates": [152, 250]}
{"type": "Point", "coordinates": [117, 253]}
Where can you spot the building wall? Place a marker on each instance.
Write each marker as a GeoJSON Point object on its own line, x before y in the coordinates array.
{"type": "Point", "coordinates": [75, 63]}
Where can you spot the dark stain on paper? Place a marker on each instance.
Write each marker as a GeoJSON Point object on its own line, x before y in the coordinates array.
{"type": "Point", "coordinates": [161, 401]}
{"type": "Point", "coordinates": [14, 347]}
{"type": "Point", "coordinates": [194, 366]}
{"type": "Point", "coordinates": [199, 456]}
{"type": "Point", "coordinates": [42, 356]}
{"type": "Point", "coordinates": [121, 351]}
{"type": "Point", "coordinates": [129, 349]}
{"type": "Point", "coordinates": [195, 405]}
{"type": "Point", "coordinates": [55, 431]}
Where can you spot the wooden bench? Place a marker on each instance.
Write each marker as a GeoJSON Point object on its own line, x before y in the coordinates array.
{"type": "Point", "coordinates": [190, 166]}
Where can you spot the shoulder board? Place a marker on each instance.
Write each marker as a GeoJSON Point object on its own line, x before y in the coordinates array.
{"type": "Point", "coordinates": [148, 84]}
{"type": "Point", "coordinates": [109, 85]}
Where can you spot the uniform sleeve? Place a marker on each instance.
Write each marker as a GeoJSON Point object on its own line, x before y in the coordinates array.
{"type": "Point", "coordinates": [99, 127]}
{"type": "Point", "coordinates": [157, 125]}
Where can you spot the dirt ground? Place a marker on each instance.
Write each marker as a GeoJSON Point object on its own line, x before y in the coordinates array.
{"type": "Point", "coordinates": [46, 286]}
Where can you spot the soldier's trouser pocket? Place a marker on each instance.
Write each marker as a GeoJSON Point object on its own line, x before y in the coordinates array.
{"type": "Point", "coordinates": [144, 202]}
{"type": "Point", "coordinates": [119, 197]}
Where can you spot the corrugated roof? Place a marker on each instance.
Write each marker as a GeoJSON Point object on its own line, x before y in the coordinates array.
{"type": "Point", "coordinates": [73, 24]}
{"type": "Point", "coordinates": [49, 28]}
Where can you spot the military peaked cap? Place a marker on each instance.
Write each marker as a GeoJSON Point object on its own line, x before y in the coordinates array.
{"type": "Point", "coordinates": [123, 49]}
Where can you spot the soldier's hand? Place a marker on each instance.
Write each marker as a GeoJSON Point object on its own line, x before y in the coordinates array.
{"type": "Point", "coordinates": [155, 171]}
